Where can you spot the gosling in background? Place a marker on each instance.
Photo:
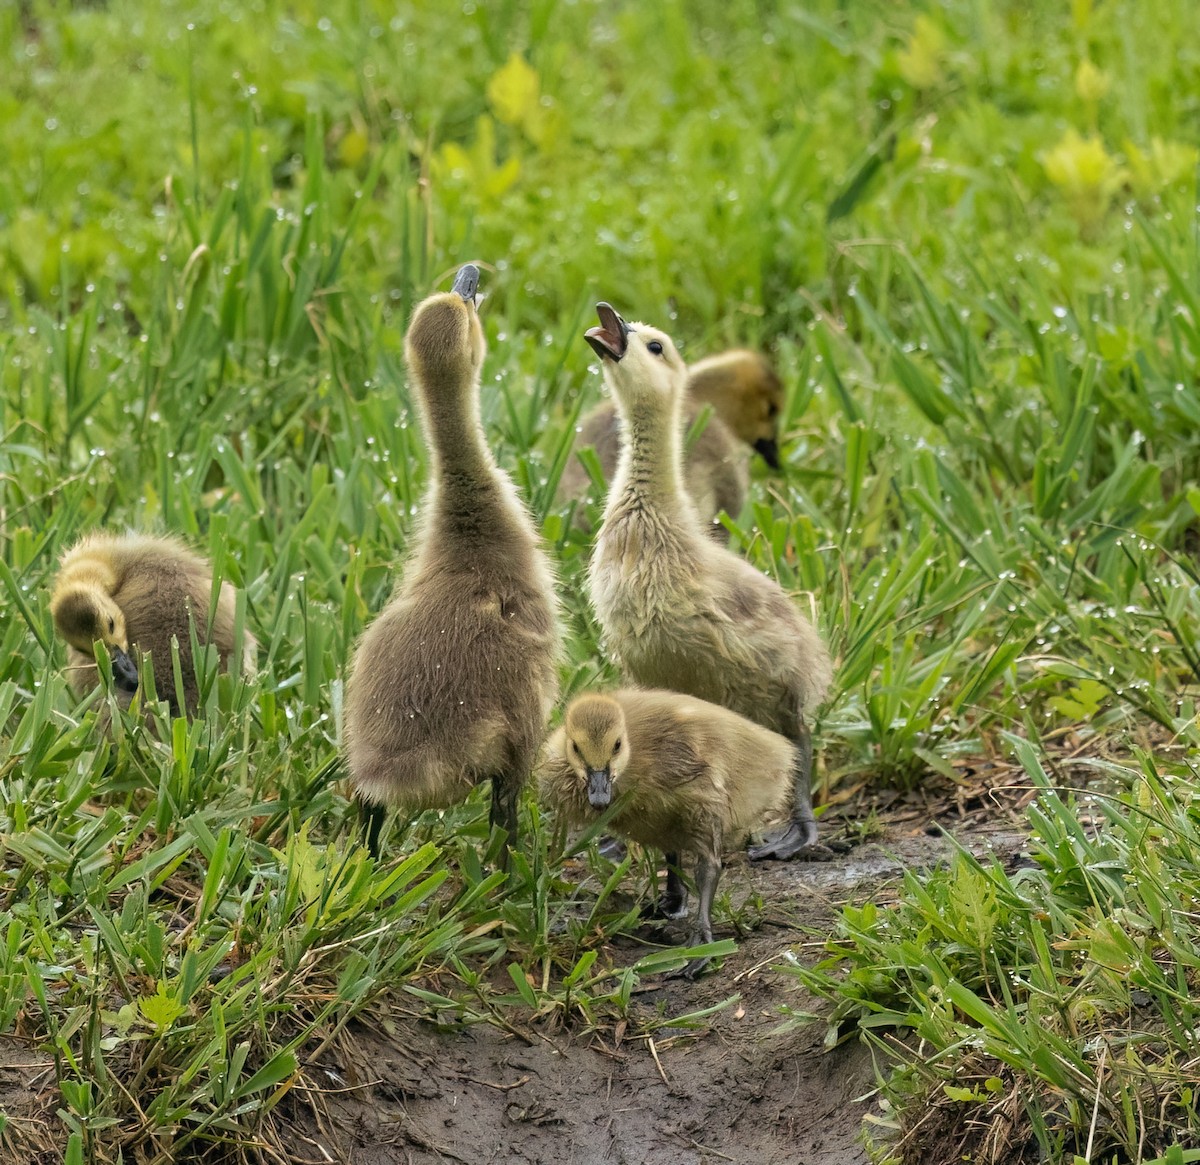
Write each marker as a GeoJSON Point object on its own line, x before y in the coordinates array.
{"type": "Point", "coordinates": [677, 610]}
{"type": "Point", "coordinates": [453, 683]}
{"type": "Point", "coordinates": [691, 777]}
{"type": "Point", "coordinates": [745, 396]}
{"type": "Point", "coordinates": [136, 593]}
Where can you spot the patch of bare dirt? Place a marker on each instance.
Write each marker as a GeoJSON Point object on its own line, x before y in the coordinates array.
{"type": "Point", "coordinates": [737, 1090]}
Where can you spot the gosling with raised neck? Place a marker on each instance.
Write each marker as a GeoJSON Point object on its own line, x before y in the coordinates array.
{"type": "Point", "coordinates": [677, 610]}
{"type": "Point", "coordinates": [453, 682]}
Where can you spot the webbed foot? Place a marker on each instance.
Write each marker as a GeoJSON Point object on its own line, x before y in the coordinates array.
{"type": "Point", "coordinates": [672, 902]}
{"type": "Point", "coordinates": [692, 970]}
{"type": "Point", "coordinates": [666, 909]}
{"type": "Point", "coordinates": [797, 841]}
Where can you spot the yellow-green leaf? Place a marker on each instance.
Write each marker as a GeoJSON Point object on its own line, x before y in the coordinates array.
{"type": "Point", "coordinates": [161, 1009]}
{"type": "Point", "coordinates": [962, 1094]}
{"type": "Point", "coordinates": [1162, 165]}
{"type": "Point", "coordinates": [1087, 175]}
{"type": "Point", "coordinates": [513, 91]}
{"type": "Point", "coordinates": [919, 61]}
{"type": "Point", "coordinates": [1091, 83]}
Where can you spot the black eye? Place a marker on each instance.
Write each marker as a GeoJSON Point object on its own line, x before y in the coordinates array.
{"type": "Point", "coordinates": [112, 625]}
{"type": "Point", "coordinates": [773, 410]}
{"type": "Point", "coordinates": [616, 748]}
{"type": "Point", "coordinates": [655, 347]}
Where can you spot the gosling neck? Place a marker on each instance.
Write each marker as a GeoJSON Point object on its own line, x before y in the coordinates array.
{"type": "Point", "coordinates": [650, 469]}
{"type": "Point", "coordinates": [462, 469]}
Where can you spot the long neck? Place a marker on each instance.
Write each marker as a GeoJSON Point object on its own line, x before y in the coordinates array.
{"type": "Point", "coordinates": [467, 491]}
{"type": "Point", "coordinates": [650, 470]}
{"type": "Point", "coordinates": [454, 432]}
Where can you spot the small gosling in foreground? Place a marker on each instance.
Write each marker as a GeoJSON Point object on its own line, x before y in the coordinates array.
{"type": "Point", "coordinates": [693, 778]}
{"type": "Point", "coordinates": [135, 593]}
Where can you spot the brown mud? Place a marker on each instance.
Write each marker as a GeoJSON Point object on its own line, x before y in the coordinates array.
{"type": "Point", "coordinates": [736, 1089]}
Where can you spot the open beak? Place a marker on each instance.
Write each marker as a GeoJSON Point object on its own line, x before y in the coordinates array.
{"type": "Point", "coordinates": [125, 673]}
{"type": "Point", "coordinates": [611, 338]}
{"type": "Point", "coordinates": [768, 447]}
{"type": "Point", "coordinates": [466, 282]}
{"type": "Point", "coordinates": [599, 788]}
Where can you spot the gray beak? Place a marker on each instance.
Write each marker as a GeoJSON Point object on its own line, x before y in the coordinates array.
{"type": "Point", "coordinates": [611, 338]}
{"type": "Point", "coordinates": [125, 672]}
{"type": "Point", "coordinates": [769, 449]}
{"type": "Point", "coordinates": [466, 282]}
{"type": "Point", "coordinates": [599, 788]}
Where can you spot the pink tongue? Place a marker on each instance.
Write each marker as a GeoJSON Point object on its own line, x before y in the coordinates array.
{"type": "Point", "coordinates": [611, 343]}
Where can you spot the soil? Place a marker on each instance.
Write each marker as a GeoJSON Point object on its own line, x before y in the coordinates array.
{"type": "Point", "coordinates": [737, 1089]}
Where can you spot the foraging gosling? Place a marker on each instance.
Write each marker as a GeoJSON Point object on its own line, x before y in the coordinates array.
{"type": "Point", "coordinates": [677, 610]}
{"type": "Point", "coordinates": [692, 778]}
{"type": "Point", "coordinates": [135, 593]}
{"type": "Point", "coordinates": [745, 396]}
{"type": "Point", "coordinates": [746, 393]}
{"type": "Point", "coordinates": [453, 683]}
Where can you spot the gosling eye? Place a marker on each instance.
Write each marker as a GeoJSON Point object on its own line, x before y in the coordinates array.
{"type": "Point", "coordinates": [655, 348]}
{"type": "Point", "coordinates": [616, 747]}
{"type": "Point", "coordinates": [773, 410]}
{"type": "Point", "coordinates": [112, 625]}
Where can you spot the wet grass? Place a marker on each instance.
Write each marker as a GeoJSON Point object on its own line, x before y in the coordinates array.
{"type": "Point", "coordinates": [967, 234]}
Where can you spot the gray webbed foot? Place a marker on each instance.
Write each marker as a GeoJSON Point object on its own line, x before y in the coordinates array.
{"type": "Point", "coordinates": [692, 970]}
{"type": "Point", "coordinates": [665, 910]}
{"type": "Point", "coordinates": [797, 842]}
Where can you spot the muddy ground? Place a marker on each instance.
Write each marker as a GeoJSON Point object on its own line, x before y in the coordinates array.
{"type": "Point", "coordinates": [736, 1090]}
{"type": "Point", "coordinates": [402, 1092]}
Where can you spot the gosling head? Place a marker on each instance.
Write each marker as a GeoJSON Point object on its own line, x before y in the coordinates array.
{"type": "Point", "coordinates": [597, 750]}
{"type": "Point", "coordinates": [636, 359]}
{"type": "Point", "coordinates": [746, 393]}
{"type": "Point", "coordinates": [85, 613]}
{"type": "Point", "coordinates": [445, 343]}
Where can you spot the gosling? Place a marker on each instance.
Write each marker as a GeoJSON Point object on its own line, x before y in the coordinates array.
{"type": "Point", "coordinates": [137, 594]}
{"type": "Point", "coordinates": [677, 610]}
{"type": "Point", "coordinates": [453, 683]}
{"type": "Point", "coordinates": [745, 396]}
{"type": "Point", "coordinates": [691, 778]}
{"type": "Point", "coordinates": [746, 393]}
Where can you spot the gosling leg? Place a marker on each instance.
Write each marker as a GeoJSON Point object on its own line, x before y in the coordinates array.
{"type": "Point", "coordinates": [371, 817]}
{"type": "Point", "coordinates": [708, 873]}
{"type": "Point", "coordinates": [800, 833]}
{"type": "Point", "coordinates": [506, 790]}
{"type": "Point", "coordinates": [672, 903]}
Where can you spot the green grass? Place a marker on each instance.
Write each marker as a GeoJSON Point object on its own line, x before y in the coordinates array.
{"type": "Point", "coordinates": [1057, 1004]}
{"type": "Point", "coordinates": [967, 232]}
